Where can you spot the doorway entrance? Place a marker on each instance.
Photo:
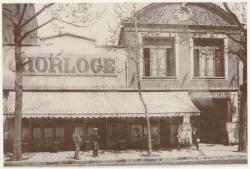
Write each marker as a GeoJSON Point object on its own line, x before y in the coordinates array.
{"type": "Point", "coordinates": [213, 117]}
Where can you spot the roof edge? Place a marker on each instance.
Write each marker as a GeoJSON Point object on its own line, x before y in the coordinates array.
{"type": "Point", "coordinates": [68, 34]}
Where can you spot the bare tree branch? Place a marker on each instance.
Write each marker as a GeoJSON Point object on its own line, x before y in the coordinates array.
{"type": "Point", "coordinates": [234, 16]}
{"type": "Point", "coordinates": [235, 40]}
{"type": "Point", "coordinates": [131, 57]}
{"type": "Point", "coordinates": [72, 23]}
{"type": "Point", "coordinates": [238, 53]}
{"type": "Point", "coordinates": [36, 14]}
{"type": "Point", "coordinates": [32, 30]}
{"type": "Point", "coordinates": [10, 18]}
{"type": "Point", "coordinates": [26, 62]}
{"type": "Point", "coordinates": [21, 17]}
{"type": "Point", "coordinates": [7, 10]}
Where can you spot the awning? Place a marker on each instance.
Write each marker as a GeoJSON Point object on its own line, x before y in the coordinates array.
{"type": "Point", "coordinates": [101, 104]}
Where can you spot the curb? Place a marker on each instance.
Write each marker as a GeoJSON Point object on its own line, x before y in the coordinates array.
{"type": "Point", "coordinates": [121, 161]}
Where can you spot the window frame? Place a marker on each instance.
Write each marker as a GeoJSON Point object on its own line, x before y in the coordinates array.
{"type": "Point", "coordinates": [35, 136]}
{"type": "Point", "coordinates": [25, 130]}
{"type": "Point", "coordinates": [175, 36]}
{"type": "Point", "coordinates": [48, 132]}
{"type": "Point", "coordinates": [59, 135]}
{"type": "Point", "coordinates": [225, 56]}
{"type": "Point", "coordinates": [162, 47]}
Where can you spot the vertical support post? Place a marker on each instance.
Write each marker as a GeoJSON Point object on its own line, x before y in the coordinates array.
{"type": "Point", "coordinates": [53, 125]}
{"type": "Point", "coordinates": [41, 128]}
{"type": "Point", "coordinates": [170, 130]}
{"type": "Point", "coordinates": [106, 133]}
{"type": "Point", "coordinates": [128, 133]}
{"type": "Point", "coordinates": [159, 126]}
{"type": "Point", "coordinates": [30, 135]}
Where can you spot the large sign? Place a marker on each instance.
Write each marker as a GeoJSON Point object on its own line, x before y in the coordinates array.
{"type": "Point", "coordinates": [205, 94]}
{"type": "Point", "coordinates": [67, 65]}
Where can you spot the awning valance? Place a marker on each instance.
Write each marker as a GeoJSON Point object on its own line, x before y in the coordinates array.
{"type": "Point", "coordinates": [101, 104]}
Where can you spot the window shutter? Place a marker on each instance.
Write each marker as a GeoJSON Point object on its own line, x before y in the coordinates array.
{"type": "Point", "coordinates": [146, 61]}
{"type": "Point", "coordinates": [196, 63]}
{"type": "Point", "coordinates": [219, 63]}
{"type": "Point", "coordinates": [170, 62]}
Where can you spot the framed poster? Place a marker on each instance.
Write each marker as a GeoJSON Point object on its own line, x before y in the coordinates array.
{"type": "Point", "coordinates": [232, 132]}
{"type": "Point", "coordinates": [136, 132]}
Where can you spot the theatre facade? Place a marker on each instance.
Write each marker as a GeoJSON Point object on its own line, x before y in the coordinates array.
{"type": "Point", "coordinates": [189, 79]}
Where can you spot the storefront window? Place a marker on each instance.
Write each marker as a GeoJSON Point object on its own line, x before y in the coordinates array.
{"type": "Point", "coordinates": [81, 131]}
{"type": "Point", "coordinates": [208, 57]}
{"type": "Point", "coordinates": [37, 133]}
{"type": "Point", "coordinates": [8, 128]}
{"type": "Point", "coordinates": [59, 132]}
{"type": "Point", "coordinates": [90, 131]}
{"type": "Point", "coordinates": [136, 132]}
{"type": "Point", "coordinates": [47, 132]}
{"type": "Point", "coordinates": [159, 57]}
{"type": "Point", "coordinates": [25, 133]}
{"type": "Point", "coordinates": [154, 130]}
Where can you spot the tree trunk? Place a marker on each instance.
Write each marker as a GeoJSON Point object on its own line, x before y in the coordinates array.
{"type": "Point", "coordinates": [17, 152]}
{"type": "Point", "coordinates": [149, 140]}
{"type": "Point", "coordinates": [243, 112]}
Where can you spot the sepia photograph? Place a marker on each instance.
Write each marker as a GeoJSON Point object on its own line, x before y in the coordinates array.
{"type": "Point", "coordinates": [124, 83]}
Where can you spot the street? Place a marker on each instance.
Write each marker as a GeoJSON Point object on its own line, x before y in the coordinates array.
{"type": "Point", "coordinates": [242, 162]}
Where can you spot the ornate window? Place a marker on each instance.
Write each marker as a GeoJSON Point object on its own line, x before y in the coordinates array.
{"type": "Point", "coordinates": [159, 57]}
{"type": "Point", "coordinates": [208, 57]}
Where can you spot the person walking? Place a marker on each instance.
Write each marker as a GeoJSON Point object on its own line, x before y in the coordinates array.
{"type": "Point", "coordinates": [77, 141]}
{"type": "Point", "coordinates": [195, 138]}
{"type": "Point", "coordinates": [95, 138]}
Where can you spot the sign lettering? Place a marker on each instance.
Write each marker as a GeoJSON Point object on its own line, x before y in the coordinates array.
{"type": "Point", "coordinates": [53, 65]}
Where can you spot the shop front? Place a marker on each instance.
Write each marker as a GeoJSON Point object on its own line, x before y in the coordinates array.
{"type": "Point", "coordinates": [219, 110]}
{"type": "Point", "coordinates": [50, 117]}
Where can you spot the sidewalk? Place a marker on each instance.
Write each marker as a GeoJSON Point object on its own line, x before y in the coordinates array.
{"type": "Point", "coordinates": [206, 152]}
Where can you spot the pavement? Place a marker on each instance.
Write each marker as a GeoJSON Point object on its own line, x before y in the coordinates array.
{"type": "Point", "coordinates": [128, 157]}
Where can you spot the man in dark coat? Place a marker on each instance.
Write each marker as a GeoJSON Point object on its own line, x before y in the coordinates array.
{"type": "Point", "coordinates": [195, 138]}
{"type": "Point", "coordinates": [77, 141]}
{"type": "Point", "coordinates": [95, 138]}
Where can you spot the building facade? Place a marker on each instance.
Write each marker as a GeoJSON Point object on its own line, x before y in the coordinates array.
{"type": "Point", "coordinates": [185, 47]}
{"type": "Point", "coordinates": [188, 76]}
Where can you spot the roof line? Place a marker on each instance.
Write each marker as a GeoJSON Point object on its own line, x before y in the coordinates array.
{"type": "Point", "coordinates": [110, 46]}
{"type": "Point", "coordinates": [124, 90]}
{"type": "Point", "coordinates": [220, 11]}
{"type": "Point", "coordinates": [208, 4]}
{"type": "Point", "coordinates": [68, 34]}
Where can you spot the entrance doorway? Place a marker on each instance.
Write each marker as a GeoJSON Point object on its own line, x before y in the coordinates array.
{"type": "Point", "coordinates": [213, 117]}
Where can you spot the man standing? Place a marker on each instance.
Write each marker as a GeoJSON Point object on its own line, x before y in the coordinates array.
{"type": "Point", "coordinates": [95, 138]}
{"type": "Point", "coordinates": [196, 138]}
{"type": "Point", "coordinates": [77, 141]}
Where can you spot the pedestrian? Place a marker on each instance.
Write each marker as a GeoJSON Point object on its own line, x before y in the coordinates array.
{"type": "Point", "coordinates": [77, 141]}
{"type": "Point", "coordinates": [95, 138]}
{"type": "Point", "coordinates": [195, 138]}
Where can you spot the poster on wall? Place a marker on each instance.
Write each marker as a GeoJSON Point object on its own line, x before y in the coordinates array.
{"type": "Point", "coordinates": [136, 132]}
{"type": "Point", "coordinates": [185, 134]}
{"type": "Point", "coordinates": [232, 132]}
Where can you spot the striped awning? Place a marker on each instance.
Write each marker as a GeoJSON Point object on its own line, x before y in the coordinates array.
{"type": "Point", "coordinates": [101, 104]}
